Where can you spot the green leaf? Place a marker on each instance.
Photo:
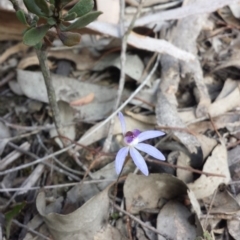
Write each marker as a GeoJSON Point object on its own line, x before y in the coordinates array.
{"type": "Point", "coordinates": [82, 7]}
{"type": "Point", "coordinates": [33, 8]}
{"type": "Point", "coordinates": [52, 2]}
{"type": "Point", "coordinates": [69, 38]}
{"type": "Point", "coordinates": [38, 46]}
{"type": "Point", "coordinates": [70, 16]}
{"type": "Point", "coordinates": [45, 7]}
{"type": "Point", "coordinates": [34, 35]}
{"type": "Point", "coordinates": [21, 16]}
{"type": "Point", "coordinates": [51, 21]}
{"type": "Point", "coordinates": [82, 21]}
{"type": "Point", "coordinates": [12, 214]}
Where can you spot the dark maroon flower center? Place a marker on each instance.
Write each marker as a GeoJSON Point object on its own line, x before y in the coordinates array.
{"type": "Point", "coordinates": [131, 135]}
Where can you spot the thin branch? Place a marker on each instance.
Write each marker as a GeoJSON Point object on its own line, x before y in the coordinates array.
{"type": "Point", "coordinates": [186, 168]}
{"type": "Point", "coordinates": [64, 185]}
{"type": "Point", "coordinates": [30, 230]}
{"type": "Point", "coordinates": [209, 209]}
{"type": "Point", "coordinates": [56, 160]}
{"type": "Point", "coordinates": [40, 160]}
{"type": "Point", "coordinates": [37, 161]}
{"type": "Point", "coordinates": [7, 78]}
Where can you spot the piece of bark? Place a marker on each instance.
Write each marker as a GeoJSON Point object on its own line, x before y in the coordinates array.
{"type": "Point", "coordinates": [167, 115]}
{"type": "Point", "coordinates": [184, 36]}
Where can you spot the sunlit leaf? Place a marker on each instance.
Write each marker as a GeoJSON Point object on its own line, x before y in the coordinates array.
{"type": "Point", "coordinates": [82, 21]}
{"type": "Point", "coordinates": [82, 7]}
{"type": "Point", "coordinates": [34, 35]}
{"type": "Point", "coordinates": [69, 38]}
{"type": "Point", "coordinates": [21, 16]}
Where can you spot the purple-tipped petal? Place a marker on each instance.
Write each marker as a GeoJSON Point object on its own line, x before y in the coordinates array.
{"type": "Point", "coordinates": [120, 158]}
{"type": "Point", "coordinates": [149, 134]}
{"type": "Point", "coordinates": [150, 150]}
{"type": "Point", "coordinates": [122, 121]}
{"type": "Point", "coordinates": [139, 161]}
{"type": "Point", "coordinates": [136, 132]}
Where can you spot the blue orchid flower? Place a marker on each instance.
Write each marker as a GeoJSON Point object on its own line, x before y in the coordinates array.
{"type": "Point", "coordinates": [133, 140]}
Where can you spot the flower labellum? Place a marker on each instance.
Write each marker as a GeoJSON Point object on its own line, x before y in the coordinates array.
{"type": "Point", "coordinates": [133, 140]}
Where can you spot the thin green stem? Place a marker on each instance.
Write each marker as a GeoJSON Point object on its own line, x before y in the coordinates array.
{"type": "Point", "coordinates": [42, 57]}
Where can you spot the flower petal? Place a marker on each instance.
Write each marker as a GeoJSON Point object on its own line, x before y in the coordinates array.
{"type": "Point", "coordinates": [139, 161]}
{"type": "Point", "coordinates": [150, 150]}
{"type": "Point", "coordinates": [122, 121]}
{"type": "Point", "coordinates": [120, 159]}
{"type": "Point", "coordinates": [149, 134]}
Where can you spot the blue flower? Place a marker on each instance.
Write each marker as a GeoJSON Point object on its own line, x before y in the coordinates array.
{"type": "Point", "coordinates": [133, 140]}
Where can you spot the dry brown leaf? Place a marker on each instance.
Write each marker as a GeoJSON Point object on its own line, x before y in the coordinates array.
{"type": "Point", "coordinates": [12, 50]}
{"type": "Point", "coordinates": [173, 221]}
{"type": "Point", "coordinates": [225, 104]}
{"type": "Point", "coordinates": [83, 60]}
{"type": "Point", "coordinates": [224, 203]}
{"type": "Point", "coordinates": [233, 60]}
{"type": "Point", "coordinates": [143, 192]}
{"type": "Point", "coordinates": [217, 163]}
{"type": "Point", "coordinates": [228, 87]}
{"type": "Point", "coordinates": [10, 27]}
{"type": "Point", "coordinates": [83, 101]}
{"type": "Point", "coordinates": [207, 144]}
{"type": "Point", "coordinates": [235, 8]}
{"type": "Point", "coordinates": [217, 108]}
{"type": "Point", "coordinates": [134, 64]}
{"type": "Point", "coordinates": [234, 227]}
{"type": "Point", "coordinates": [68, 90]}
{"type": "Point", "coordinates": [31, 60]}
{"type": "Point", "coordinates": [184, 161]}
{"type": "Point", "coordinates": [84, 223]}
{"type": "Point", "coordinates": [228, 17]}
{"type": "Point", "coordinates": [167, 115]}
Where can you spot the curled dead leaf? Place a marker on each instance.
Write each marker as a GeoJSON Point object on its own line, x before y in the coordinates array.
{"type": "Point", "coordinates": [83, 101]}
{"type": "Point", "coordinates": [217, 163]}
